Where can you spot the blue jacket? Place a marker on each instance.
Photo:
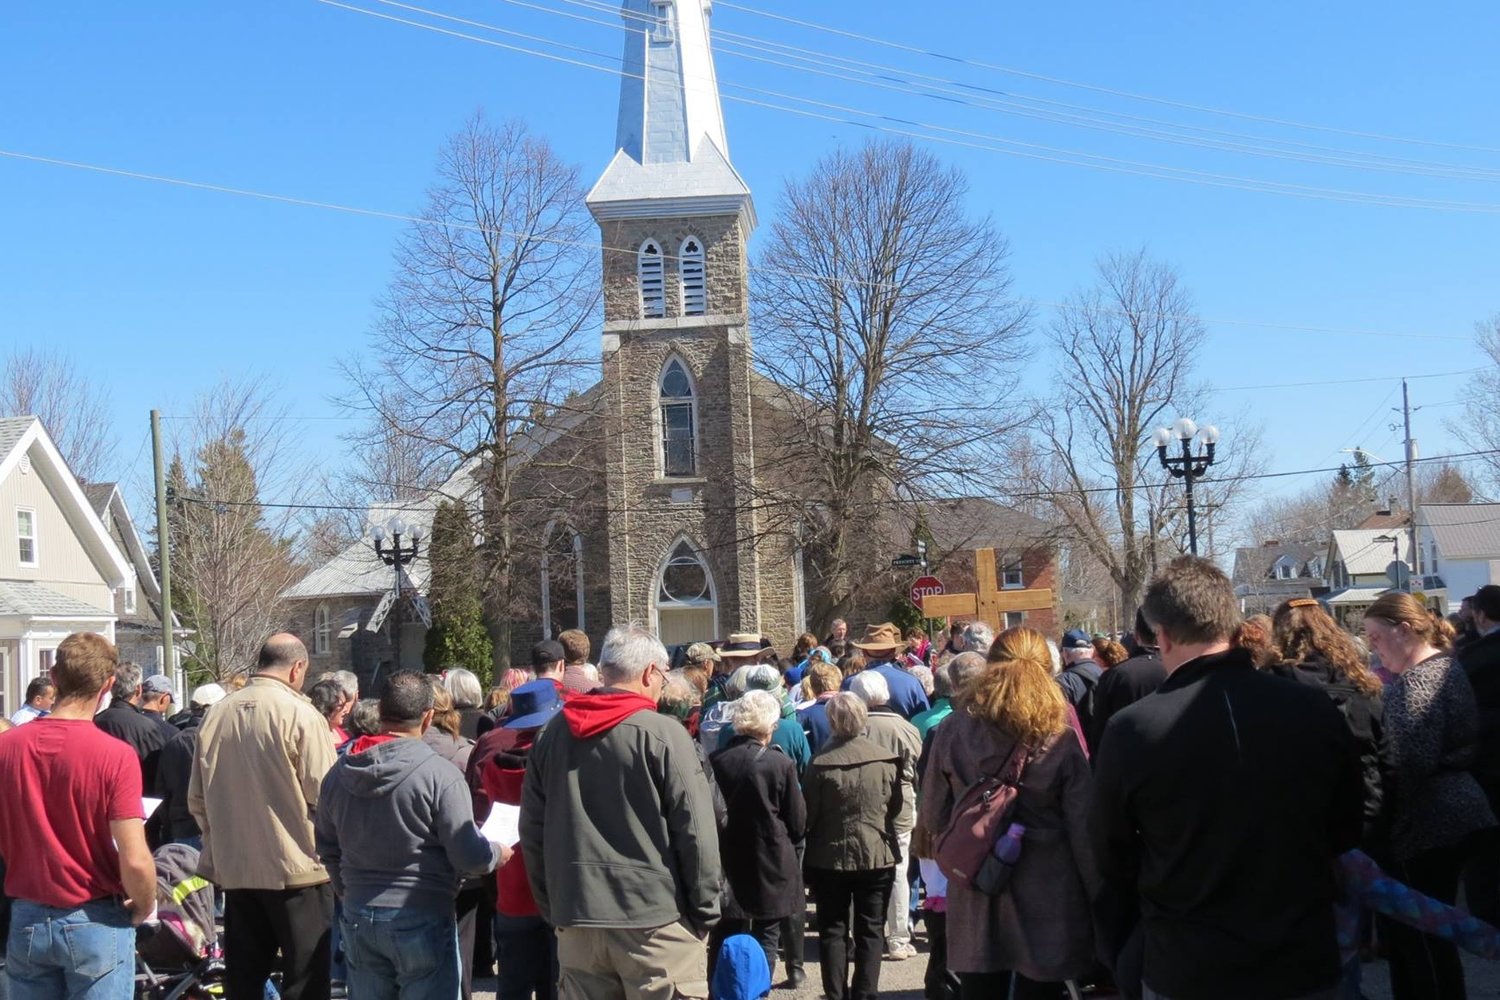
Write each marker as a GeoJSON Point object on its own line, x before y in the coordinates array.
{"type": "Point", "coordinates": [814, 719]}
{"type": "Point", "coordinates": [907, 696]}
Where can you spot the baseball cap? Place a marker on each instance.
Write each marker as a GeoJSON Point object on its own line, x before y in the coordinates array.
{"type": "Point", "coordinates": [547, 652]}
{"type": "Point", "coordinates": [1076, 638]}
{"type": "Point", "coordinates": [156, 684]}
{"type": "Point", "coordinates": [205, 695]}
{"type": "Point", "coordinates": [701, 652]}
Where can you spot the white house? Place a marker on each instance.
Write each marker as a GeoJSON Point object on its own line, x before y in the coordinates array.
{"type": "Point", "coordinates": [60, 571]}
{"type": "Point", "coordinates": [1460, 544]}
{"type": "Point", "coordinates": [1357, 566]}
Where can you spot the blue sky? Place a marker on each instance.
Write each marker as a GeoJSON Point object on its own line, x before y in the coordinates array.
{"type": "Point", "coordinates": [159, 291]}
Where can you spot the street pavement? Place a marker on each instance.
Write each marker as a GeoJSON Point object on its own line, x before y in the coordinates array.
{"type": "Point", "coordinates": [903, 980]}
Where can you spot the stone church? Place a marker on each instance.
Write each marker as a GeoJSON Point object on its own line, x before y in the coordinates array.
{"type": "Point", "coordinates": [666, 459]}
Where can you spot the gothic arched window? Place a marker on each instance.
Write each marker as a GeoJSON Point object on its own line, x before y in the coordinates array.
{"type": "Point", "coordinates": [690, 271]}
{"type": "Point", "coordinates": [562, 580]}
{"type": "Point", "coordinates": [649, 271]}
{"type": "Point", "coordinates": [686, 602]}
{"type": "Point", "coordinates": [322, 630]}
{"type": "Point", "coordinates": [679, 418]}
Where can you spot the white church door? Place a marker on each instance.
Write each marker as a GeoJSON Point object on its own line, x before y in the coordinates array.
{"type": "Point", "coordinates": [686, 607]}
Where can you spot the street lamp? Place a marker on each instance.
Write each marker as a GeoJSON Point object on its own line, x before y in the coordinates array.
{"type": "Point", "coordinates": [1187, 466]}
{"type": "Point", "coordinates": [396, 555]}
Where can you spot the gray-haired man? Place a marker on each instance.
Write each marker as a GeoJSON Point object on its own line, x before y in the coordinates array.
{"type": "Point", "coordinates": [618, 834]}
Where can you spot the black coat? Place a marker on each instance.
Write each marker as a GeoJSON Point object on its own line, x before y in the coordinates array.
{"type": "Point", "coordinates": [1222, 801]}
{"type": "Point", "coordinates": [1364, 715]}
{"type": "Point", "coordinates": [1123, 685]}
{"type": "Point", "coordinates": [1480, 659]}
{"type": "Point", "coordinates": [174, 770]}
{"type": "Point", "coordinates": [767, 817]}
{"type": "Point", "coordinates": [145, 733]}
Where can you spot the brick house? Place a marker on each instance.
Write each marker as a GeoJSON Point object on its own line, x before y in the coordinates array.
{"type": "Point", "coordinates": [645, 484]}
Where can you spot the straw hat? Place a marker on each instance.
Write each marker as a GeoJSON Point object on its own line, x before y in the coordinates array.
{"type": "Point", "coordinates": [741, 646]}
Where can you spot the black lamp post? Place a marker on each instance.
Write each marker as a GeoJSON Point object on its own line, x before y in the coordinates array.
{"type": "Point", "coordinates": [1187, 466]}
{"type": "Point", "coordinates": [396, 555]}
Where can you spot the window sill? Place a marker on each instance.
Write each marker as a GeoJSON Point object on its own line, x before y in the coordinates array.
{"type": "Point", "coordinates": [669, 481]}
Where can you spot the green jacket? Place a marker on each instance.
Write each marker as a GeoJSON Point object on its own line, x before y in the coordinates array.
{"type": "Point", "coordinates": [940, 710]}
{"type": "Point", "coordinates": [854, 799]}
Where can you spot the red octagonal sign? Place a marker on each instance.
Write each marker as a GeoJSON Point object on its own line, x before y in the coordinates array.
{"type": "Point", "coordinates": [926, 586]}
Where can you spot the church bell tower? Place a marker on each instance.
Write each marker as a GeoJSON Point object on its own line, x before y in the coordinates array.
{"type": "Point", "coordinates": [674, 216]}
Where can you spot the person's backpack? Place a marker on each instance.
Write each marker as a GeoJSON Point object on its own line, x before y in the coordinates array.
{"type": "Point", "coordinates": [979, 817]}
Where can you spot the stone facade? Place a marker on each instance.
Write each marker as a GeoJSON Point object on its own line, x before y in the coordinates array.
{"type": "Point", "coordinates": [726, 279]}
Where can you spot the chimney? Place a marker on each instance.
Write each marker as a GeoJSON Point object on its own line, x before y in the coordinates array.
{"type": "Point", "coordinates": [1271, 543]}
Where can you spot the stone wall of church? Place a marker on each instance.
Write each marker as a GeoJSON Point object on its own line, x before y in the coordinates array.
{"type": "Point", "coordinates": [725, 276]}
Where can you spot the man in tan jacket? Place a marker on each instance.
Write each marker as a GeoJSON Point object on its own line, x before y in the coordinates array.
{"type": "Point", "coordinates": [262, 755]}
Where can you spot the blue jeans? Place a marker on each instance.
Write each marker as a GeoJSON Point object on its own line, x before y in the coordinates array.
{"type": "Point", "coordinates": [400, 954]}
{"type": "Point", "coordinates": [81, 953]}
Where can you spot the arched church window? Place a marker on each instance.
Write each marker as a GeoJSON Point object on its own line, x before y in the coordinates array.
{"type": "Point", "coordinates": [562, 580]}
{"type": "Point", "coordinates": [686, 602]}
{"type": "Point", "coordinates": [690, 270]}
{"type": "Point", "coordinates": [649, 271]}
{"type": "Point", "coordinates": [322, 630]}
{"type": "Point", "coordinates": [679, 448]}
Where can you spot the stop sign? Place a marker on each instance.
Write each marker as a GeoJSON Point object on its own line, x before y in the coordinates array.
{"type": "Point", "coordinates": [926, 586]}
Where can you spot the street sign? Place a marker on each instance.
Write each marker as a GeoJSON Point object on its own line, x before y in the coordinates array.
{"type": "Point", "coordinates": [925, 587]}
{"type": "Point", "coordinates": [906, 562]}
{"type": "Point", "coordinates": [1399, 573]}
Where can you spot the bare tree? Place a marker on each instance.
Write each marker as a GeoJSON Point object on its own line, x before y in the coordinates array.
{"type": "Point", "coordinates": [886, 310]}
{"type": "Point", "coordinates": [231, 555]}
{"type": "Point", "coordinates": [73, 408]}
{"type": "Point", "coordinates": [1125, 350]}
{"type": "Point", "coordinates": [479, 337]}
{"type": "Point", "coordinates": [1480, 426]}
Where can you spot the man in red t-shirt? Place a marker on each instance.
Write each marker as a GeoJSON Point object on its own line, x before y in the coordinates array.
{"type": "Point", "coordinates": [74, 839]}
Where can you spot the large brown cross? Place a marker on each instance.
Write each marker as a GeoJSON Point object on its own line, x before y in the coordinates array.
{"type": "Point", "coordinates": [991, 603]}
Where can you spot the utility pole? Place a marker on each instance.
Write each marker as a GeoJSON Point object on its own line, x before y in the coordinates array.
{"type": "Point", "coordinates": [1411, 485]}
{"type": "Point", "coordinates": [163, 548]}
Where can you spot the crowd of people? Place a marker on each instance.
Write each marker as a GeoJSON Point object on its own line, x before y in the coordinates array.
{"type": "Point", "coordinates": [1197, 811]}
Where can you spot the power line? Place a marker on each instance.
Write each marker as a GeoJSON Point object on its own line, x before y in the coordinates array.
{"type": "Point", "coordinates": [1344, 381]}
{"type": "Point", "coordinates": [970, 139]}
{"type": "Point", "coordinates": [595, 245]}
{"type": "Point", "coordinates": [765, 504]}
{"type": "Point", "coordinates": [956, 92]}
{"type": "Point", "coordinates": [1110, 91]}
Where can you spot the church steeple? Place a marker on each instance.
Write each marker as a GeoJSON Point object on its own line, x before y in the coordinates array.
{"type": "Point", "coordinates": [671, 154]}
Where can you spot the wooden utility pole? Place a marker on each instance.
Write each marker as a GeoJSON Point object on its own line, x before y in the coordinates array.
{"type": "Point", "coordinates": [164, 550]}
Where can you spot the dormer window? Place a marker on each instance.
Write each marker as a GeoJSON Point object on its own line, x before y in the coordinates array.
{"type": "Point", "coordinates": [661, 21]}
{"type": "Point", "coordinates": [649, 273]}
{"type": "Point", "coordinates": [690, 272]}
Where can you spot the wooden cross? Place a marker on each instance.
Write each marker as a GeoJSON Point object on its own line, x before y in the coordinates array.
{"type": "Point", "coordinates": [991, 603]}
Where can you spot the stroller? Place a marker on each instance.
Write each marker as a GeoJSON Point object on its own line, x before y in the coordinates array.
{"type": "Point", "coordinates": [177, 952]}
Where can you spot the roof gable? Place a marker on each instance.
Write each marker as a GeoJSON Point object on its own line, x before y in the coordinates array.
{"type": "Point", "coordinates": [1367, 552]}
{"type": "Point", "coordinates": [24, 439]}
{"type": "Point", "coordinates": [1463, 530]}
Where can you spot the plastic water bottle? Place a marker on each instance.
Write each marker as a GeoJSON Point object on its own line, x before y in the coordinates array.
{"type": "Point", "coordinates": [1008, 847]}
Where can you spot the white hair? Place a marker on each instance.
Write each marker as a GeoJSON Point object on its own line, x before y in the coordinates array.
{"type": "Point", "coordinates": [1056, 655]}
{"type": "Point", "coordinates": [847, 716]}
{"type": "Point", "coordinates": [627, 651]}
{"type": "Point", "coordinates": [349, 683]}
{"type": "Point", "coordinates": [464, 687]}
{"type": "Point", "coordinates": [871, 688]}
{"type": "Point", "coordinates": [978, 638]}
{"type": "Point", "coordinates": [755, 713]}
{"type": "Point", "coordinates": [924, 677]}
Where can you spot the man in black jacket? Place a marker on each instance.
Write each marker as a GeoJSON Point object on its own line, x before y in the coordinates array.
{"type": "Point", "coordinates": [1126, 683]}
{"type": "Point", "coordinates": [1221, 801]}
{"type": "Point", "coordinates": [126, 720]}
{"type": "Point", "coordinates": [1480, 659]}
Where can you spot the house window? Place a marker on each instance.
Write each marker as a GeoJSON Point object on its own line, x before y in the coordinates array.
{"type": "Point", "coordinates": [322, 631]}
{"type": "Point", "coordinates": [26, 536]}
{"type": "Point", "coordinates": [1285, 571]}
{"type": "Point", "coordinates": [678, 417]}
{"type": "Point", "coordinates": [686, 606]}
{"type": "Point", "coordinates": [562, 580]}
{"type": "Point", "coordinates": [690, 271]}
{"type": "Point", "coordinates": [1015, 619]}
{"type": "Point", "coordinates": [44, 660]}
{"type": "Point", "coordinates": [1012, 578]}
{"type": "Point", "coordinates": [127, 599]}
{"type": "Point", "coordinates": [648, 270]}
{"type": "Point", "coordinates": [661, 24]}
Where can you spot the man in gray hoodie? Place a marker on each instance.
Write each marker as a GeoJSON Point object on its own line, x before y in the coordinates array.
{"type": "Point", "coordinates": [619, 836]}
{"type": "Point", "coordinates": [395, 828]}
